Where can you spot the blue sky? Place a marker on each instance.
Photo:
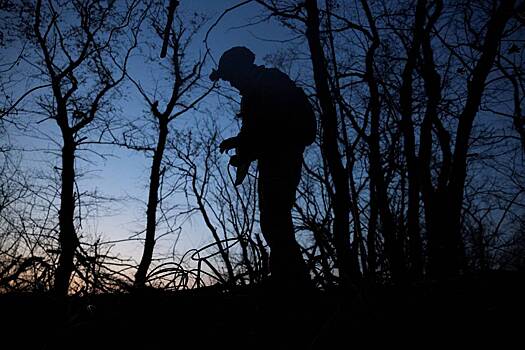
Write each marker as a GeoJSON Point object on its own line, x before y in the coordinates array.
{"type": "Point", "coordinates": [136, 166]}
{"type": "Point", "coordinates": [123, 174]}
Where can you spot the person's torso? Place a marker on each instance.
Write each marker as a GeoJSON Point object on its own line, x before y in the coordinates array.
{"type": "Point", "coordinates": [270, 107]}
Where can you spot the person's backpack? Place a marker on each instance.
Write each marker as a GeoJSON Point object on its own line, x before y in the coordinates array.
{"type": "Point", "coordinates": [280, 96]}
{"type": "Point", "coordinates": [305, 120]}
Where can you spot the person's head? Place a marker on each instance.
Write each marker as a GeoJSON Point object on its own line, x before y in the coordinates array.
{"type": "Point", "coordinates": [235, 66]}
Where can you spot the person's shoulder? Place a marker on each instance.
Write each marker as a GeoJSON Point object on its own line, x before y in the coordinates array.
{"type": "Point", "coordinates": [272, 73]}
{"type": "Point", "coordinates": [272, 77]}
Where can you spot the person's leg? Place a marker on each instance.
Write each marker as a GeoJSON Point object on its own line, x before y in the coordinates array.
{"type": "Point", "coordinates": [278, 181]}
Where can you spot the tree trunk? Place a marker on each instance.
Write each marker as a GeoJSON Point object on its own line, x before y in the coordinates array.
{"type": "Point", "coordinates": [329, 146]}
{"type": "Point", "coordinates": [67, 235]}
{"type": "Point", "coordinates": [449, 252]}
{"type": "Point", "coordinates": [153, 200]}
{"type": "Point", "coordinates": [393, 244]}
{"type": "Point", "coordinates": [415, 266]}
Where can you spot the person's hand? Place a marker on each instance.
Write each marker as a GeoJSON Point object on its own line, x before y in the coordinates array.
{"type": "Point", "coordinates": [235, 161]}
{"type": "Point", "coordinates": [228, 144]}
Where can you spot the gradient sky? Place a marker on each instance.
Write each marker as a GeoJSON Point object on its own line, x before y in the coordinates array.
{"type": "Point", "coordinates": [225, 35]}
{"type": "Point", "coordinates": [125, 173]}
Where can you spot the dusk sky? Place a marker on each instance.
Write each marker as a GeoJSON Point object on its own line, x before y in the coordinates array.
{"type": "Point", "coordinates": [368, 184]}
{"type": "Point", "coordinates": [352, 172]}
{"type": "Point", "coordinates": [133, 180]}
{"type": "Point", "coordinates": [124, 174]}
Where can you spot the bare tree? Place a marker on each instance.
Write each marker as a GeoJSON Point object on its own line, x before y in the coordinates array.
{"type": "Point", "coordinates": [422, 104]}
{"type": "Point", "coordinates": [184, 94]}
{"type": "Point", "coordinates": [81, 59]}
{"type": "Point", "coordinates": [347, 260]}
{"type": "Point", "coordinates": [228, 212]}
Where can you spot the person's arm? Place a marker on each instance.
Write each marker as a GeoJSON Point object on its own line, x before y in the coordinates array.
{"type": "Point", "coordinates": [249, 135]}
{"type": "Point", "coordinates": [228, 144]}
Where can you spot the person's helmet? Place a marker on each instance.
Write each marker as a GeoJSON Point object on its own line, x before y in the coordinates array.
{"type": "Point", "coordinates": [236, 58]}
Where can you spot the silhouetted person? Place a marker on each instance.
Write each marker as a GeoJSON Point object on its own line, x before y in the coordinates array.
{"type": "Point", "coordinates": [277, 124]}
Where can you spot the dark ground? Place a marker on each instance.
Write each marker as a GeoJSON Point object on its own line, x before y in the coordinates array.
{"type": "Point", "coordinates": [484, 309]}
